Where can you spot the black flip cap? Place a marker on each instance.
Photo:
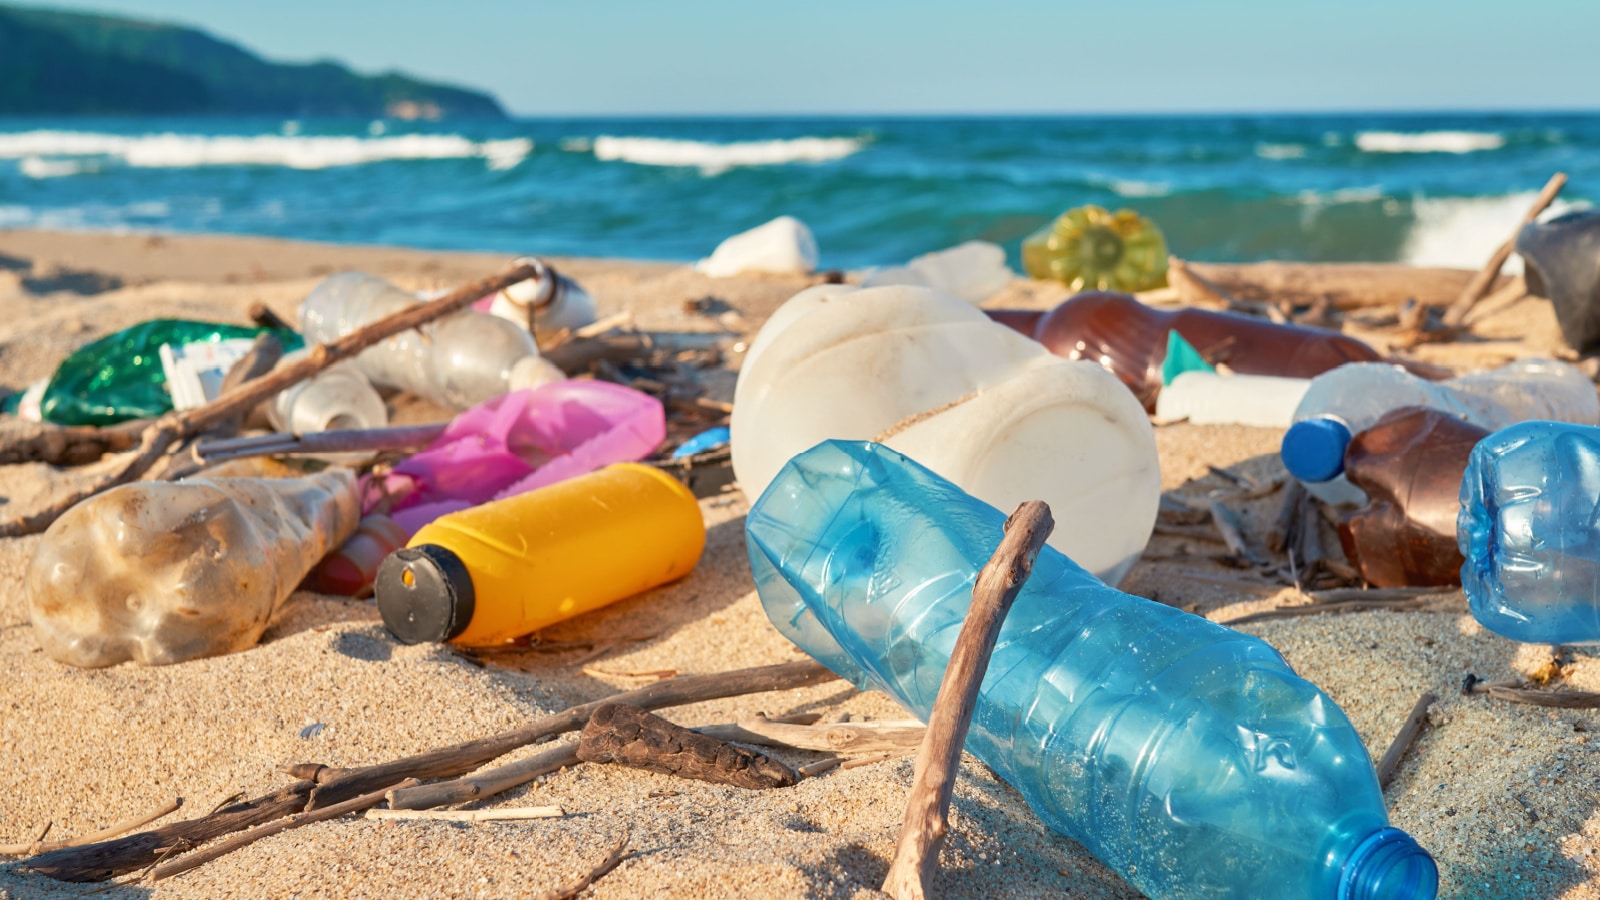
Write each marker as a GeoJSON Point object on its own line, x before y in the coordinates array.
{"type": "Point", "coordinates": [425, 594]}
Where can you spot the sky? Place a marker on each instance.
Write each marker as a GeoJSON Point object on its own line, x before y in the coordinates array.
{"type": "Point", "coordinates": [727, 57]}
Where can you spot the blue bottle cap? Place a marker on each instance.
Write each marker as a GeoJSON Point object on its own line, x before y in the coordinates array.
{"type": "Point", "coordinates": [1313, 449]}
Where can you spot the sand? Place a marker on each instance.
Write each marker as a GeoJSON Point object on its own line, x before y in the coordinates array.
{"type": "Point", "coordinates": [1504, 796]}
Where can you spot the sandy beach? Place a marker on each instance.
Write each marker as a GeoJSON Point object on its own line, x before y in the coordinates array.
{"type": "Point", "coordinates": [1505, 796]}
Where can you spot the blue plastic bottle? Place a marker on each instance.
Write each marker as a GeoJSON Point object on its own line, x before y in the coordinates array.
{"type": "Point", "coordinates": [1530, 533]}
{"type": "Point", "coordinates": [1188, 757]}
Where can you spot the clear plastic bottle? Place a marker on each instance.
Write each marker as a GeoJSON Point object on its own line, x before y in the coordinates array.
{"type": "Point", "coordinates": [1187, 756]}
{"type": "Point", "coordinates": [1527, 529]}
{"type": "Point", "coordinates": [1353, 397]}
{"type": "Point", "coordinates": [558, 302]}
{"type": "Point", "coordinates": [162, 572]}
{"type": "Point", "coordinates": [336, 398]}
{"type": "Point", "coordinates": [460, 360]}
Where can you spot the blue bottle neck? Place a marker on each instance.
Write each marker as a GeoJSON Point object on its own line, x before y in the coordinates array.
{"type": "Point", "coordinates": [1388, 865]}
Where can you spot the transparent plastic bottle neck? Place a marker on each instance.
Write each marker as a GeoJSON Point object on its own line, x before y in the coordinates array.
{"type": "Point", "coordinates": [1389, 865]}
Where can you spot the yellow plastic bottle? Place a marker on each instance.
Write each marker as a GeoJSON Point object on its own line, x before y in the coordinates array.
{"type": "Point", "coordinates": [496, 572]}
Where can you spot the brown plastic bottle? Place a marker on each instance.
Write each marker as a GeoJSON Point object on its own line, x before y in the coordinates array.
{"type": "Point", "coordinates": [1130, 339]}
{"type": "Point", "coordinates": [1410, 464]}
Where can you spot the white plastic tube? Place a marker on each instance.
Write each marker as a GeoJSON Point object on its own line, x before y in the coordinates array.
{"type": "Point", "coordinates": [1207, 398]}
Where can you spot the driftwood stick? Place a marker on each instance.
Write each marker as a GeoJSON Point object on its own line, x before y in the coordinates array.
{"type": "Point", "coordinates": [571, 890]}
{"type": "Point", "coordinates": [1344, 286]}
{"type": "Point", "coordinates": [1415, 720]}
{"type": "Point", "coordinates": [107, 859]}
{"type": "Point", "coordinates": [1381, 595]}
{"type": "Point", "coordinates": [494, 781]}
{"type": "Point", "coordinates": [927, 810]}
{"type": "Point", "coordinates": [262, 315]}
{"type": "Point", "coordinates": [238, 841]}
{"type": "Point", "coordinates": [448, 762]}
{"type": "Point", "coordinates": [632, 737]}
{"type": "Point", "coordinates": [179, 426]}
{"type": "Point", "coordinates": [515, 814]}
{"type": "Point", "coordinates": [1481, 282]}
{"type": "Point", "coordinates": [1555, 699]}
{"type": "Point", "coordinates": [1414, 603]}
{"type": "Point", "coordinates": [110, 831]}
{"type": "Point", "coordinates": [1227, 524]}
{"type": "Point", "coordinates": [153, 445]}
{"type": "Point", "coordinates": [1286, 523]}
{"type": "Point", "coordinates": [74, 445]}
{"type": "Point", "coordinates": [842, 737]}
{"type": "Point", "coordinates": [119, 856]}
{"type": "Point", "coordinates": [485, 784]}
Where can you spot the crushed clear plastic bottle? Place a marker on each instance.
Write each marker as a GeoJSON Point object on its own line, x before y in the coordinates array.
{"type": "Point", "coordinates": [1353, 397]}
{"type": "Point", "coordinates": [457, 361]}
{"type": "Point", "coordinates": [1188, 757]}
{"type": "Point", "coordinates": [163, 572]}
{"type": "Point", "coordinates": [1529, 533]}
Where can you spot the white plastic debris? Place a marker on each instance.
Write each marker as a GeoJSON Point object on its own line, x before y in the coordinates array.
{"type": "Point", "coordinates": [783, 245]}
{"type": "Point", "coordinates": [973, 271]}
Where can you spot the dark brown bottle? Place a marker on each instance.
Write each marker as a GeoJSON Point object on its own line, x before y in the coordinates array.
{"type": "Point", "coordinates": [1130, 339]}
{"type": "Point", "coordinates": [1410, 464]}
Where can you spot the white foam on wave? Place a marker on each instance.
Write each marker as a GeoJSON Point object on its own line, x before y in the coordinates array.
{"type": "Point", "coordinates": [1127, 187]}
{"type": "Point", "coordinates": [294, 152]}
{"type": "Point", "coordinates": [712, 159]}
{"type": "Point", "coordinates": [39, 167]}
{"type": "Point", "coordinates": [1280, 151]}
{"type": "Point", "coordinates": [1429, 141]}
{"type": "Point", "coordinates": [1462, 232]}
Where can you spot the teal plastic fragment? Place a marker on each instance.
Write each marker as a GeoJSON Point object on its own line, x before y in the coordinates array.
{"type": "Point", "coordinates": [1181, 357]}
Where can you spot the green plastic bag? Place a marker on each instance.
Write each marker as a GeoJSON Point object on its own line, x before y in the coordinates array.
{"type": "Point", "coordinates": [119, 377]}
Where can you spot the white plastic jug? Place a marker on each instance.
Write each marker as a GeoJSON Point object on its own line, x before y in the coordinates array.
{"type": "Point", "coordinates": [931, 376]}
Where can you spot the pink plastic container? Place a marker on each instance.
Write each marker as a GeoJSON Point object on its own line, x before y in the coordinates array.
{"type": "Point", "coordinates": [517, 442]}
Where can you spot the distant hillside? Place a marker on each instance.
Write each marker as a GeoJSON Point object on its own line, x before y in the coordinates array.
{"type": "Point", "coordinates": [65, 63]}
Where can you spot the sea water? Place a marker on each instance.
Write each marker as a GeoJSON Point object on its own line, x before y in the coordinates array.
{"type": "Point", "coordinates": [1427, 189]}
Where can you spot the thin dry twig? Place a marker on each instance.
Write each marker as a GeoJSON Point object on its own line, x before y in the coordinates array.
{"type": "Point", "coordinates": [510, 814]}
{"type": "Point", "coordinates": [238, 841]}
{"type": "Point", "coordinates": [1481, 282]}
{"type": "Point", "coordinates": [1415, 720]}
{"type": "Point", "coordinates": [37, 845]}
{"type": "Point", "coordinates": [107, 859]}
{"type": "Point", "coordinates": [572, 889]}
{"type": "Point", "coordinates": [1530, 697]}
{"type": "Point", "coordinates": [927, 810]}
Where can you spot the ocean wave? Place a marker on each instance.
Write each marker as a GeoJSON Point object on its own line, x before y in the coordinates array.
{"type": "Point", "coordinates": [294, 152]}
{"type": "Point", "coordinates": [712, 158]}
{"type": "Point", "coordinates": [1127, 187]}
{"type": "Point", "coordinates": [37, 167]}
{"type": "Point", "coordinates": [1429, 141]}
{"type": "Point", "coordinates": [1280, 151]}
{"type": "Point", "coordinates": [1462, 232]}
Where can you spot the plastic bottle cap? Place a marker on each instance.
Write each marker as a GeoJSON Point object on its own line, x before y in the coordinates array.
{"type": "Point", "coordinates": [425, 594]}
{"type": "Point", "coordinates": [1313, 449]}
